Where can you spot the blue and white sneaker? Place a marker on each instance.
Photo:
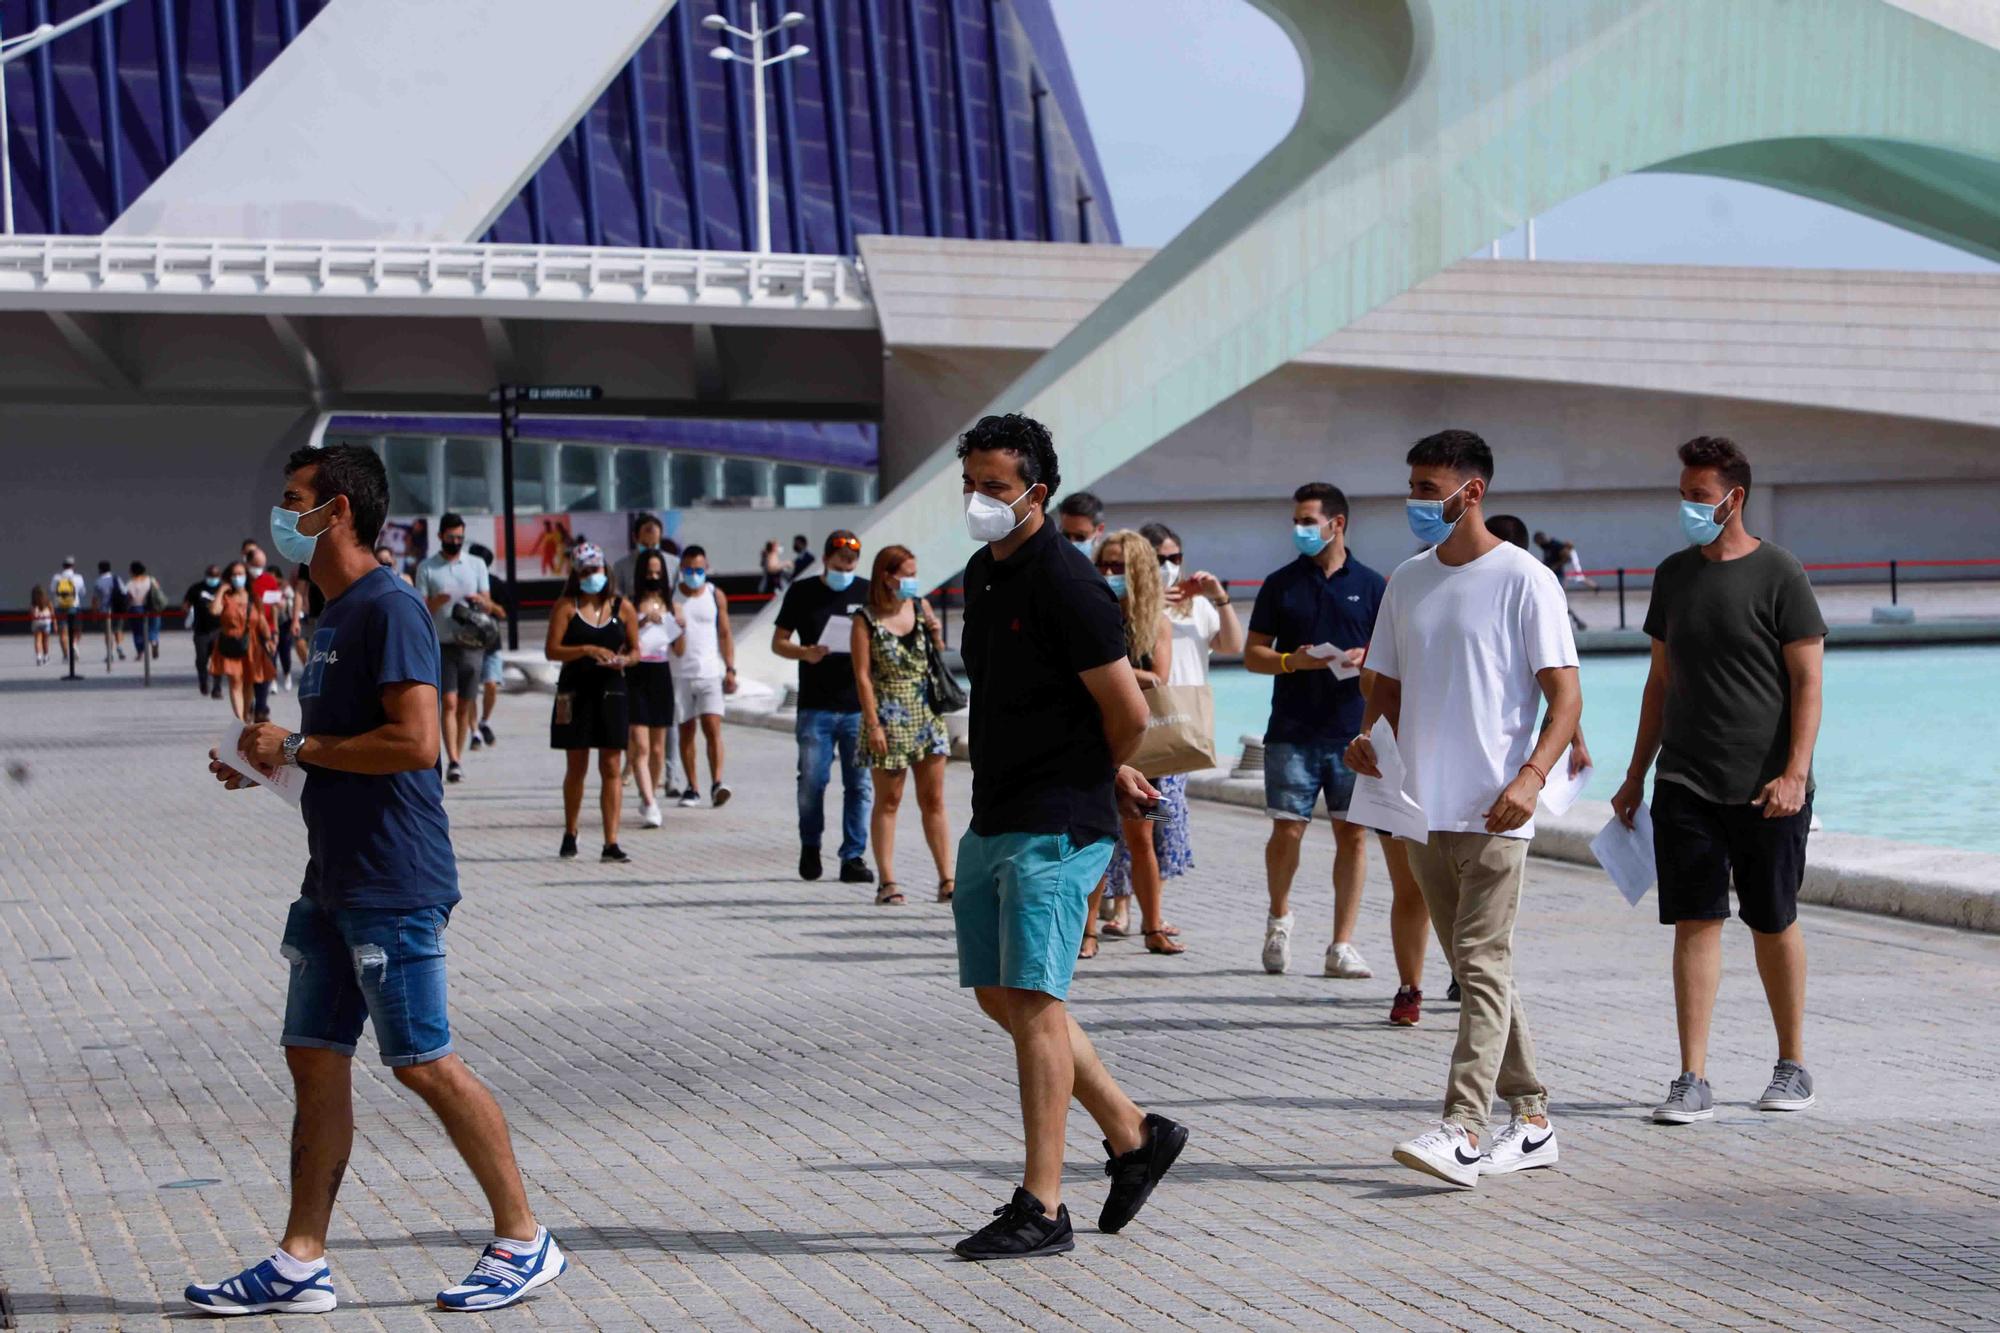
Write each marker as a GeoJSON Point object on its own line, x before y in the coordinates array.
{"type": "Point", "coordinates": [503, 1276]}
{"type": "Point", "coordinates": [262, 1289]}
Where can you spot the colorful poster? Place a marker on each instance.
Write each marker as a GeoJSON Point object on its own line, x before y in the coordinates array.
{"type": "Point", "coordinates": [409, 538]}
{"type": "Point", "coordinates": [541, 545]}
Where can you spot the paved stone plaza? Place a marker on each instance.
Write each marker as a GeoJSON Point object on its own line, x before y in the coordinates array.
{"type": "Point", "coordinates": [745, 1102]}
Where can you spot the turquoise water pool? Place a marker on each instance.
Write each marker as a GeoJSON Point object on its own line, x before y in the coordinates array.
{"type": "Point", "coordinates": [1909, 748]}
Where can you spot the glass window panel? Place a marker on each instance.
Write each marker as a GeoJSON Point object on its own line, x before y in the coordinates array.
{"type": "Point", "coordinates": [465, 482]}
{"type": "Point", "coordinates": [690, 479]}
{"type": "Point", "coordinates": [531, 494]}
{"type": "Point", "coordinates": [742, 479]}
{"type": "Point", "coordinates": [635, 480]}
{"type": "Point", "coordinates": [409, 464]}
{"type": "Point", "coordinates": [849, 488]}
{"type": "Point", "coordinates": [579, 490]}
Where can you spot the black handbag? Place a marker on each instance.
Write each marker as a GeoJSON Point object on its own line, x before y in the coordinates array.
{"type": "Point", "coordinates": [941, 688]}
{"type": "Point", "coordinates": [475, 628]}
{"type": "Point", "coordinates": [233, 645]}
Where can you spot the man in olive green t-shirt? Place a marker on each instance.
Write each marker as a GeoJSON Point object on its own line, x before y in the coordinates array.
{"type": "Point", "coordinates": [1732, 709]}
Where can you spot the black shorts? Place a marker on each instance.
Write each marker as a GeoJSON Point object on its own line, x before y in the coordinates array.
{"type": "Point", "coordinates": [1699, 846]}
{"type": "Point", "coordinates": [650, 687]}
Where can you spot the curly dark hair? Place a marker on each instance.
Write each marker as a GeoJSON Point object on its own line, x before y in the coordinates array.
{"type": "Point", "coordinates": [1720, 453]}
{"type": "Point", "coordinates": [1025, 438]}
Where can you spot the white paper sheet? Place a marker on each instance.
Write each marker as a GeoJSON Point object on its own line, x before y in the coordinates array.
{"type": "Point", "coordinates": [290, 781]}
{"type": "Point", "coordinates": [837, 636]}
{"type": "Point", "coordinates": [1562, 789]}
{"type": "Point", "coordinates": [1327, 652]}
{"type": "Point", "coordinates": [1381, 803]}
{"type": "Point", "coordinates": [1627, 854]}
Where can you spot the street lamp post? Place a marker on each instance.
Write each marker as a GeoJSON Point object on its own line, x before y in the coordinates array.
{"type": "Point", "coordinates": [13, 48]}
{"type": "Point", "coordinates": [758, 62]}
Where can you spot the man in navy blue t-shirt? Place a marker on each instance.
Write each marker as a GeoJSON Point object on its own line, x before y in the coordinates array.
{"type": "Point", "coordinates": [365, 939]}
{"type": "Point", "coordinates": [1324, 597]}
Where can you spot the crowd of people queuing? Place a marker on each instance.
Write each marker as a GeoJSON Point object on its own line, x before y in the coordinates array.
{"type": "Point", "coordinates": [1464, 655]}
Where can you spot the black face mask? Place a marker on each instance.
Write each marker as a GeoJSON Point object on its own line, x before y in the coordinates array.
{"type": "Point", "coordinates": [651, 584]}
{"type": "Point", "coordinates": [451, 545]}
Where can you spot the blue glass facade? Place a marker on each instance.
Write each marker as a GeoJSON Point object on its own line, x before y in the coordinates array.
{"type": "Point", "coordinates": [909, 117]}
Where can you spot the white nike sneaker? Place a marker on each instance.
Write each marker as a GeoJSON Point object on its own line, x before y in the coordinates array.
{"type": "Point", "coordinates": [1278, 944]}
{"type": "Point", "coordinates": [1345, 962]}
{"type": "Point", "coordinates": [650, 816]}
{"type": "Point", "coordinates": [1445, 1152]}
{"type": "Point", "coordinates": [1522, 1146]}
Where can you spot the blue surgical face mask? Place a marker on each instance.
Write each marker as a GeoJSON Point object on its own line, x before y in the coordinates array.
{"type": "Point", "coordinates": [1088, 545]}
{"type": "Point", "coordinates": [909, 587]}
{"type": "Point", "coordinates": [593, 584]}
{"type": "Point", "coordinates": [840, 580]}
{"type": "Point", "coordinates": [292, 544]}
{"type": "Point", "coordinates": [1308, 538]}
{"type": "Point", "coordinates": [1427, 518]}
{"type": "Point", "coordinates": [238, 580]}
{"type": "Point", "coordinates": [694, 578]}
{"type": "Point", "coordinates": [1117, 582]}
{"type": "Point", "coordinates": [1699, 522]}
{"type": "Point", "coordinates": [212, 581]}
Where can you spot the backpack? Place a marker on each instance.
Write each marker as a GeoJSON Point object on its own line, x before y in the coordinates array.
{"type": "Point", "coordinates": [65, 593]}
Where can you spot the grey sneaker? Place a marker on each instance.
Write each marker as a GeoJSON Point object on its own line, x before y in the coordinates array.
{"type": "Point", "coordinates": [1688, 1100]}
{"type": "Point", "coordinates": [1791, 1088]}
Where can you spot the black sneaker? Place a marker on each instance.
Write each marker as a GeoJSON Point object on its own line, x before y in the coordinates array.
{"type": "Point", "coordinates": [809, 867]}
{"type": "Point", "coordinates": [1452, 996]}
{"type": "Point", "coordinates": [613, 852]}
{"type": "Point", "coordinates": [486, 734]}
{"type": "Point", "coordinates": [1021, 1230]}
{"type": "Point", "coordinates": [855, 871]}
{"type": "Point", "coordinates": [568, 848]}
{"type": "Point", "coordinates": [1134, 1174]}
{"type": "Point", "coordinates": [452, 772]}
{"type": "Point", "coordinates": [475, 742]}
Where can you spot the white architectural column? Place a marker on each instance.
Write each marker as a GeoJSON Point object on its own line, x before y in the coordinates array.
{"type": "Point", "coordinates": [394, 120]}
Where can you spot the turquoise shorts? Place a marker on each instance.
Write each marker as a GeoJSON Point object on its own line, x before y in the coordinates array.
{"type": "Point", "coordinates": [1020, 904]}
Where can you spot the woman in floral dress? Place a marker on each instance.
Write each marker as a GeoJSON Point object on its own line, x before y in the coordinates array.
{"type": "Point", "coordinates": [891, 642]}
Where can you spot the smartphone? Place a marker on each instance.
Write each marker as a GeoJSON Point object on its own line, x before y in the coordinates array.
{"type": "Point", "coordinates": [1155, 812]}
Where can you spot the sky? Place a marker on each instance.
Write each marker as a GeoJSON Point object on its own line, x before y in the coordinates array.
{"type": "Point", "coordinates": [1184, 95]}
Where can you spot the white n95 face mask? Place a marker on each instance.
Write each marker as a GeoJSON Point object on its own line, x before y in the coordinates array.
{"type": "Point", "coordinates": [988, 520]}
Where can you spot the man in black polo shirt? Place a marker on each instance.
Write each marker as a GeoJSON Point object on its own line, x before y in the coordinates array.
{"type": "Point", "coordinates": [829, 711]}
{"type": "Point", "coordinates": [1323, 597]}
{"type": "Point", "coordinates": [1055, 712]}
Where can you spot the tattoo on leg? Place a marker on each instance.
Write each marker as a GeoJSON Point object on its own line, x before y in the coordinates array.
{"type": "Point", "coordinates": [333, 1182]}
{"type": "Point", "coordinates": [298, 1144]}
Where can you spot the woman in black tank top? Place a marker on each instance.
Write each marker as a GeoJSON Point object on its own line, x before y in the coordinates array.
{"type": "Point", "coordinates": [594, 633]}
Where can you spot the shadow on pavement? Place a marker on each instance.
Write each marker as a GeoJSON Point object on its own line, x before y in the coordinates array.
{"type": "Point", "coordinates": [683, 1243]}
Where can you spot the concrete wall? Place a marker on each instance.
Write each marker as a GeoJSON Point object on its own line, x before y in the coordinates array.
{"type": "Point", "coordinates": [1593, 465]}
{"type": "Point", "coordinates": [175, 488]}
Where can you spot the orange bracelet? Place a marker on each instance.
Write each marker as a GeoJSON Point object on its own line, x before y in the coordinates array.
{"type": "Point", "coordinates": [1536, 771]}
{"type": "Point", "coordinates": [1285, 663]}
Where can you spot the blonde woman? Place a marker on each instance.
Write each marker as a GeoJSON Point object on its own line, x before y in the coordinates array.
{"type": "Point", "coordinates": [890, 643]}
{"type": "Point", "coordinates": [1126, 560]}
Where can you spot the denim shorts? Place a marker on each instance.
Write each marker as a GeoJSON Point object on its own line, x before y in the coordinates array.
{"type": "Point", "coordinates": [1295, 775]}
{"type": "Point", "coordinates": [355, 965]}
{"type": "Point", "coordinates": [1019, 906]}
{"type": "Point", "coordinates": [493, 671]}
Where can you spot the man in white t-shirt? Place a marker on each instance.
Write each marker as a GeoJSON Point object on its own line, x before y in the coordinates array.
{"type": "Point", "coordinates": [1471, 638]}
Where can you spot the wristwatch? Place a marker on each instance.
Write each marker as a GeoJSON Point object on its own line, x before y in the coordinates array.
{"type": "Point", "coordinates": [291, 747]}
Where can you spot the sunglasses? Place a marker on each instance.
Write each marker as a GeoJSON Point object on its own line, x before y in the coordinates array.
{"type": "Point", "coordinates": [845, 544]}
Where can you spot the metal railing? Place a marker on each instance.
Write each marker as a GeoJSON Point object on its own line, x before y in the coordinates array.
{"type": "Point", "coordinates": [47, 265]}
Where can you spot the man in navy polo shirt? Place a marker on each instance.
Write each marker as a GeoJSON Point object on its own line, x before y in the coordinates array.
{"type": "Point", "coordinates": [1325, 596]}
{"type": "Point", "coordinates": [365, 940]}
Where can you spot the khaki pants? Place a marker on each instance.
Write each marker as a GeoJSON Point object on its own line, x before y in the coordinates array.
{"type": "Point", "coordinates": [1472, 885]}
